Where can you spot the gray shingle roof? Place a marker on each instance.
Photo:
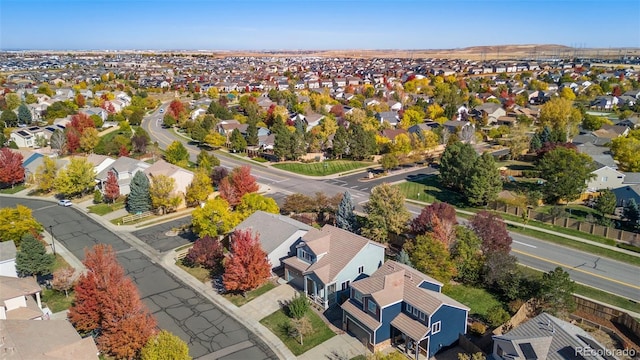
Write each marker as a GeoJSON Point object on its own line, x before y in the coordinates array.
{"type": "Point", "coordinates": [565, 337]}
{"type": "Point", "coordinates": [273, 228]}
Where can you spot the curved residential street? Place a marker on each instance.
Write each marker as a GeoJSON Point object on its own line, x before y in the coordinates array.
{"type": "Point", "coordinates": [210, 331]}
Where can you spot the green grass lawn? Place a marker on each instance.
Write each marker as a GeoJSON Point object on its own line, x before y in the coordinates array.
{"type": "Point", "coordinates": [239, 300]}
{"type": "Point", "coordinates": [103, 209]}
{"type": "Point", "coordinates": [428, 189]}
{"type": "Point", "coordinates": [278, 321]}
{"type": "Point", "coordinates": [13, 190]}
{"type": "Point", "coordinates": [479, 300]}
{"type": "Point", "coordinates": [328, 167]}
{"type": "Point", "coordinates": [199, 273]}
{"type": "Point", "coordinates": [578, 212]}
{"type": "Point", "coordinates": [59, 263]}
{"type": "Point", "coordinates": [56, 301]}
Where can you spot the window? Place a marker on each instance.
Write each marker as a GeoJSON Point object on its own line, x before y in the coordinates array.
{"type": "Point", "coordinates": [415, 312]}
{"type": "Point", "coordinates": [305, 256]}
{"type": "Point", "coordinates": [435, 328]}
{"type": "Point", "coordinates": [409, 308]}
{"type": "Point", "coordinates": [422, 316]}
{"type": "Point", "coordinates": [371, 306]}
{"type": "Point", "coordinates": [605, 178]}
{"type": "Point", "coordinates": [345, 285]}
{"type": "Point", "coordinates": [357, 295]}
{"type": "Point", "coordinates": [361, 269]}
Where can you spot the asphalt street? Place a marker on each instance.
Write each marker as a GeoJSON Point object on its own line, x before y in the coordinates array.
{"type": "Point", "coordinates": [178, 308]}
{"type": "Point", "coordinates": [608, 275]}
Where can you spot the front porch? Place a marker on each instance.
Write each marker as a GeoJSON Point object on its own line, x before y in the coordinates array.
{"type": "Point", "coordinates": [410, 337]}
{"type": "Point", "coordinates": [321, 296]}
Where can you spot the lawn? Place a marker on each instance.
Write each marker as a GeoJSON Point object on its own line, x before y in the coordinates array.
{"type": "Point", "coordinates": [199, 273]}
{"type": "Point", "coordinates": [578, 212]}
{"type": "Point", "coordinates": [59, 263]}
{"type": "Point", "coordinates": [13, 190]}
{"type": "Point", "coordinates": [479, 300]}
{"type": "Point", "coordinates": [278, 323]}
{"type": "Point", "coordinates": [328, 167]}
{"type": "Point", "coordinates": [56, 301]}
{"type": "Point", "coordinates": [239, 300]}
{"type": "Point", "coordinates": [103, 209]}
{"type": "Point", "coordinates": [428, 189]}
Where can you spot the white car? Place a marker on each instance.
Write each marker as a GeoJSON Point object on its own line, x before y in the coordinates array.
{"type": "Point", "coordinates": [65, 202]}
{"type": "Point", "coordinates": [161, 111]}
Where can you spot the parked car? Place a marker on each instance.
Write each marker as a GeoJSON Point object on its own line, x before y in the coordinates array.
{"type": "Point", "coordinates": [65, 202]}
{"type": "Point", "coordinates": [161, 111]}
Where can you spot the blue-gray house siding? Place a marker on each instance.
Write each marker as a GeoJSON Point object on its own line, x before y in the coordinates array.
{"type": "Point", "coordinates": [453, 323]}
{"type": "Point", "coordinates": [388, 314]}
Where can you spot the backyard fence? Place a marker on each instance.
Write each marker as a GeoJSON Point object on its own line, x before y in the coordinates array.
{"type": "Point", "coordinates": [135, 217]}
{"type": "Point", "coordinates": [614, 234]}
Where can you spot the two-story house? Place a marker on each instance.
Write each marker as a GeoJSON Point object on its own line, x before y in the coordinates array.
{"type": "Point", "coordinates": [20, 299]}
{"type": "Point", "coordinates": [400, 306]}
{"type": "Point", "coordinates": [125, 168]}
{"type": "Point", "coordinates": [327, 261]}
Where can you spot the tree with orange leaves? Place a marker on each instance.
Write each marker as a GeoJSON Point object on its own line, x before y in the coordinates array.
{"type": "Point", "coordinates": [242, 180]}
{"type": "Point", "coordinates": [247, 266]}
{"type": "Point", "coordinates": [107, 301]}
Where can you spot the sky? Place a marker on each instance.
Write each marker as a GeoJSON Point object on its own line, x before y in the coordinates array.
{"type": "Point", "coordinates": [314, 24]}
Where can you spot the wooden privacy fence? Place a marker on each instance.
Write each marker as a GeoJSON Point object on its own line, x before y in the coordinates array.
{"type": "Point", "coordinates": [135, 217]}
{"type": "Point", "coordinates": [583, 226]}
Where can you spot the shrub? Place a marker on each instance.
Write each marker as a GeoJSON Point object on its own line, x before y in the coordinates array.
{"type": "Point", "coordinates": [206, 252]}
{"type": "Point", "coordinates": [298, 306]}
{"type": "Point", "coordinates": [97, 197]}
{"type": "Point", "coordinates": [530, 173]}
{"type": "Point", "coordinates": [497, 316]}
{"type": "Point", "coordinates": [478, 328]}
{"type": "Point", "coordinates": [515, 305]}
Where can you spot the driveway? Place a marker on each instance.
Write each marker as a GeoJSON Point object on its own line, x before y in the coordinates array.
{"type": "Point", "coordinates": [178, 308]}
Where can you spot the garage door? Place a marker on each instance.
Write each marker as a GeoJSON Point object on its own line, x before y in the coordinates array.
{"type": "Point", "coordinates": [358, 332]}
{"type": "Point", "coordinates": [295, 279]}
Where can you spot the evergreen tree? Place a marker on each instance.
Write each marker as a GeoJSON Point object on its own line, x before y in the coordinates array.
{"type": "Point", "coordinates": [606, 202]}
{"type": "Point", "coordinates": [252, 133]}
{"type": "Point", "coordinates": [139, 199]}
{"type": "Point", "coordinates": [362, 143]}
{"type": "Point", "coordinates": [282, 141]}
{"type": "Point", "coordinates": [32, 258]}
{"type": "Point", "coordinates": [456, 163]}
{"type": "Point", "coordinates": [631, 212]}
{"type": "Point", "coordinates": [345, 217]}
{"type": "Point", "coordinates": [238, 143]}
{"type": "Point", "coordinates": [340, 142]}
{"type": "Point", "coordinates": [536, 143]}
{"type": "Point", "coordinates": [484, 182]}
{"type": "Point", "coordinates": [403, 258]}
{"type": "Point", "coordinates": [24, 115]}
{"type": "Point", "coordinates": [556, 291]}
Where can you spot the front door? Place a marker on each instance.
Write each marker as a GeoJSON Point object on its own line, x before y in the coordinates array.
{"type": "Point", "coordinates": [311, 288]}
{"type": "Point", "coordinates": [331, 294]}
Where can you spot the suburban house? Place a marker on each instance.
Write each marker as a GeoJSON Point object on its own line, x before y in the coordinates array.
{"type": "Point", "coordinates": [327, 261]}
{"type": "Point", "coordinates": [125, 168]}
{"type": "Point", "coordinates": [181, 176]}
{"type": "Point", "coordinates": [400, 306]}
{"type": "Point", "coordinates": [605, 177]}
{"type": "Point", "coordinates": [8, 253]}
{"type": "Point", "coordinates": [23, 138]}
{"type": "Point", "coordinates": [20, 299]}
{"type": "Point", "coordinates": [51, 339]}
{"type": "Point", "coordinates": [547, 337]}
{"type": "Point", "coordinates": [226, 127]}
{"type": "Point", "coordinates": [278, 234]}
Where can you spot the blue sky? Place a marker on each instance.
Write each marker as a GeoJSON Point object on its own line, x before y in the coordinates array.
{"type": "Point", "coordinates": [318, 24]}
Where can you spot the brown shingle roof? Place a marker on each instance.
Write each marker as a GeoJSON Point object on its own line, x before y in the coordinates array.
{"type": "Point", "coordinates": [343, 247]}
{"type": "Point", "coordinates": [11, 287]}
{"type": "Point", "coordinates": [407, 325]}
{"type": "Point", "coordinates": [366, 319]}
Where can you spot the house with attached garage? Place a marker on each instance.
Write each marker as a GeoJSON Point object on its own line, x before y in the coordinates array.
{"type": "Point", "coordinates": [328, 260]}
{"type": "Point", "coordinates": [279, 238]}
{"type": "Point", "coordinates": [402, 307]}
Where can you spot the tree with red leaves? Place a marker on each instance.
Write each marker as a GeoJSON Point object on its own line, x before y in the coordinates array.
{"type": "Point", "coordinates": [123, 151]}
{"type": "Point", "coordinates": [247, 266]}
{"type": "Point", "coordinates": [617, 91]}
{"type": "Point", "coordinates": [73, 140]}
{"type": "Point", "coordinates": [425, 221]}
{"type": "Point", "coordinates": [176, 109]}
{"type": "Point", "coordinates": [11, 169]}
{"type": "Point", "coordinates": [242, 180]}
{"type": "Point", "coordinates": [79, 123]}
{"type": "Point", "coordinates": [107, 301]}
{"type": "Point", "coordinates": [492, 230]}
{"type": "Point", "coordinates": [80, 100]}
{"type": "Point", "coordinates": [206, 252]}
{"type": "Point", "coordinates": [550, 146]}
{"type": "Point", "coordinates": [228, 192]}
{"type": "Point", "coordinates": [111, 187]}
{"type": "Point", "coordinates": [337, 110]}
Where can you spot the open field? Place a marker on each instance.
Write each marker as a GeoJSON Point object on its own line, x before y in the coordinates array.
{"type": "Point", "coordinates": [328, 167]}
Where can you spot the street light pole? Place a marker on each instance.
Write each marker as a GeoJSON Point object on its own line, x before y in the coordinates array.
{"type": "Point", "coordinates": [53, 244]}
